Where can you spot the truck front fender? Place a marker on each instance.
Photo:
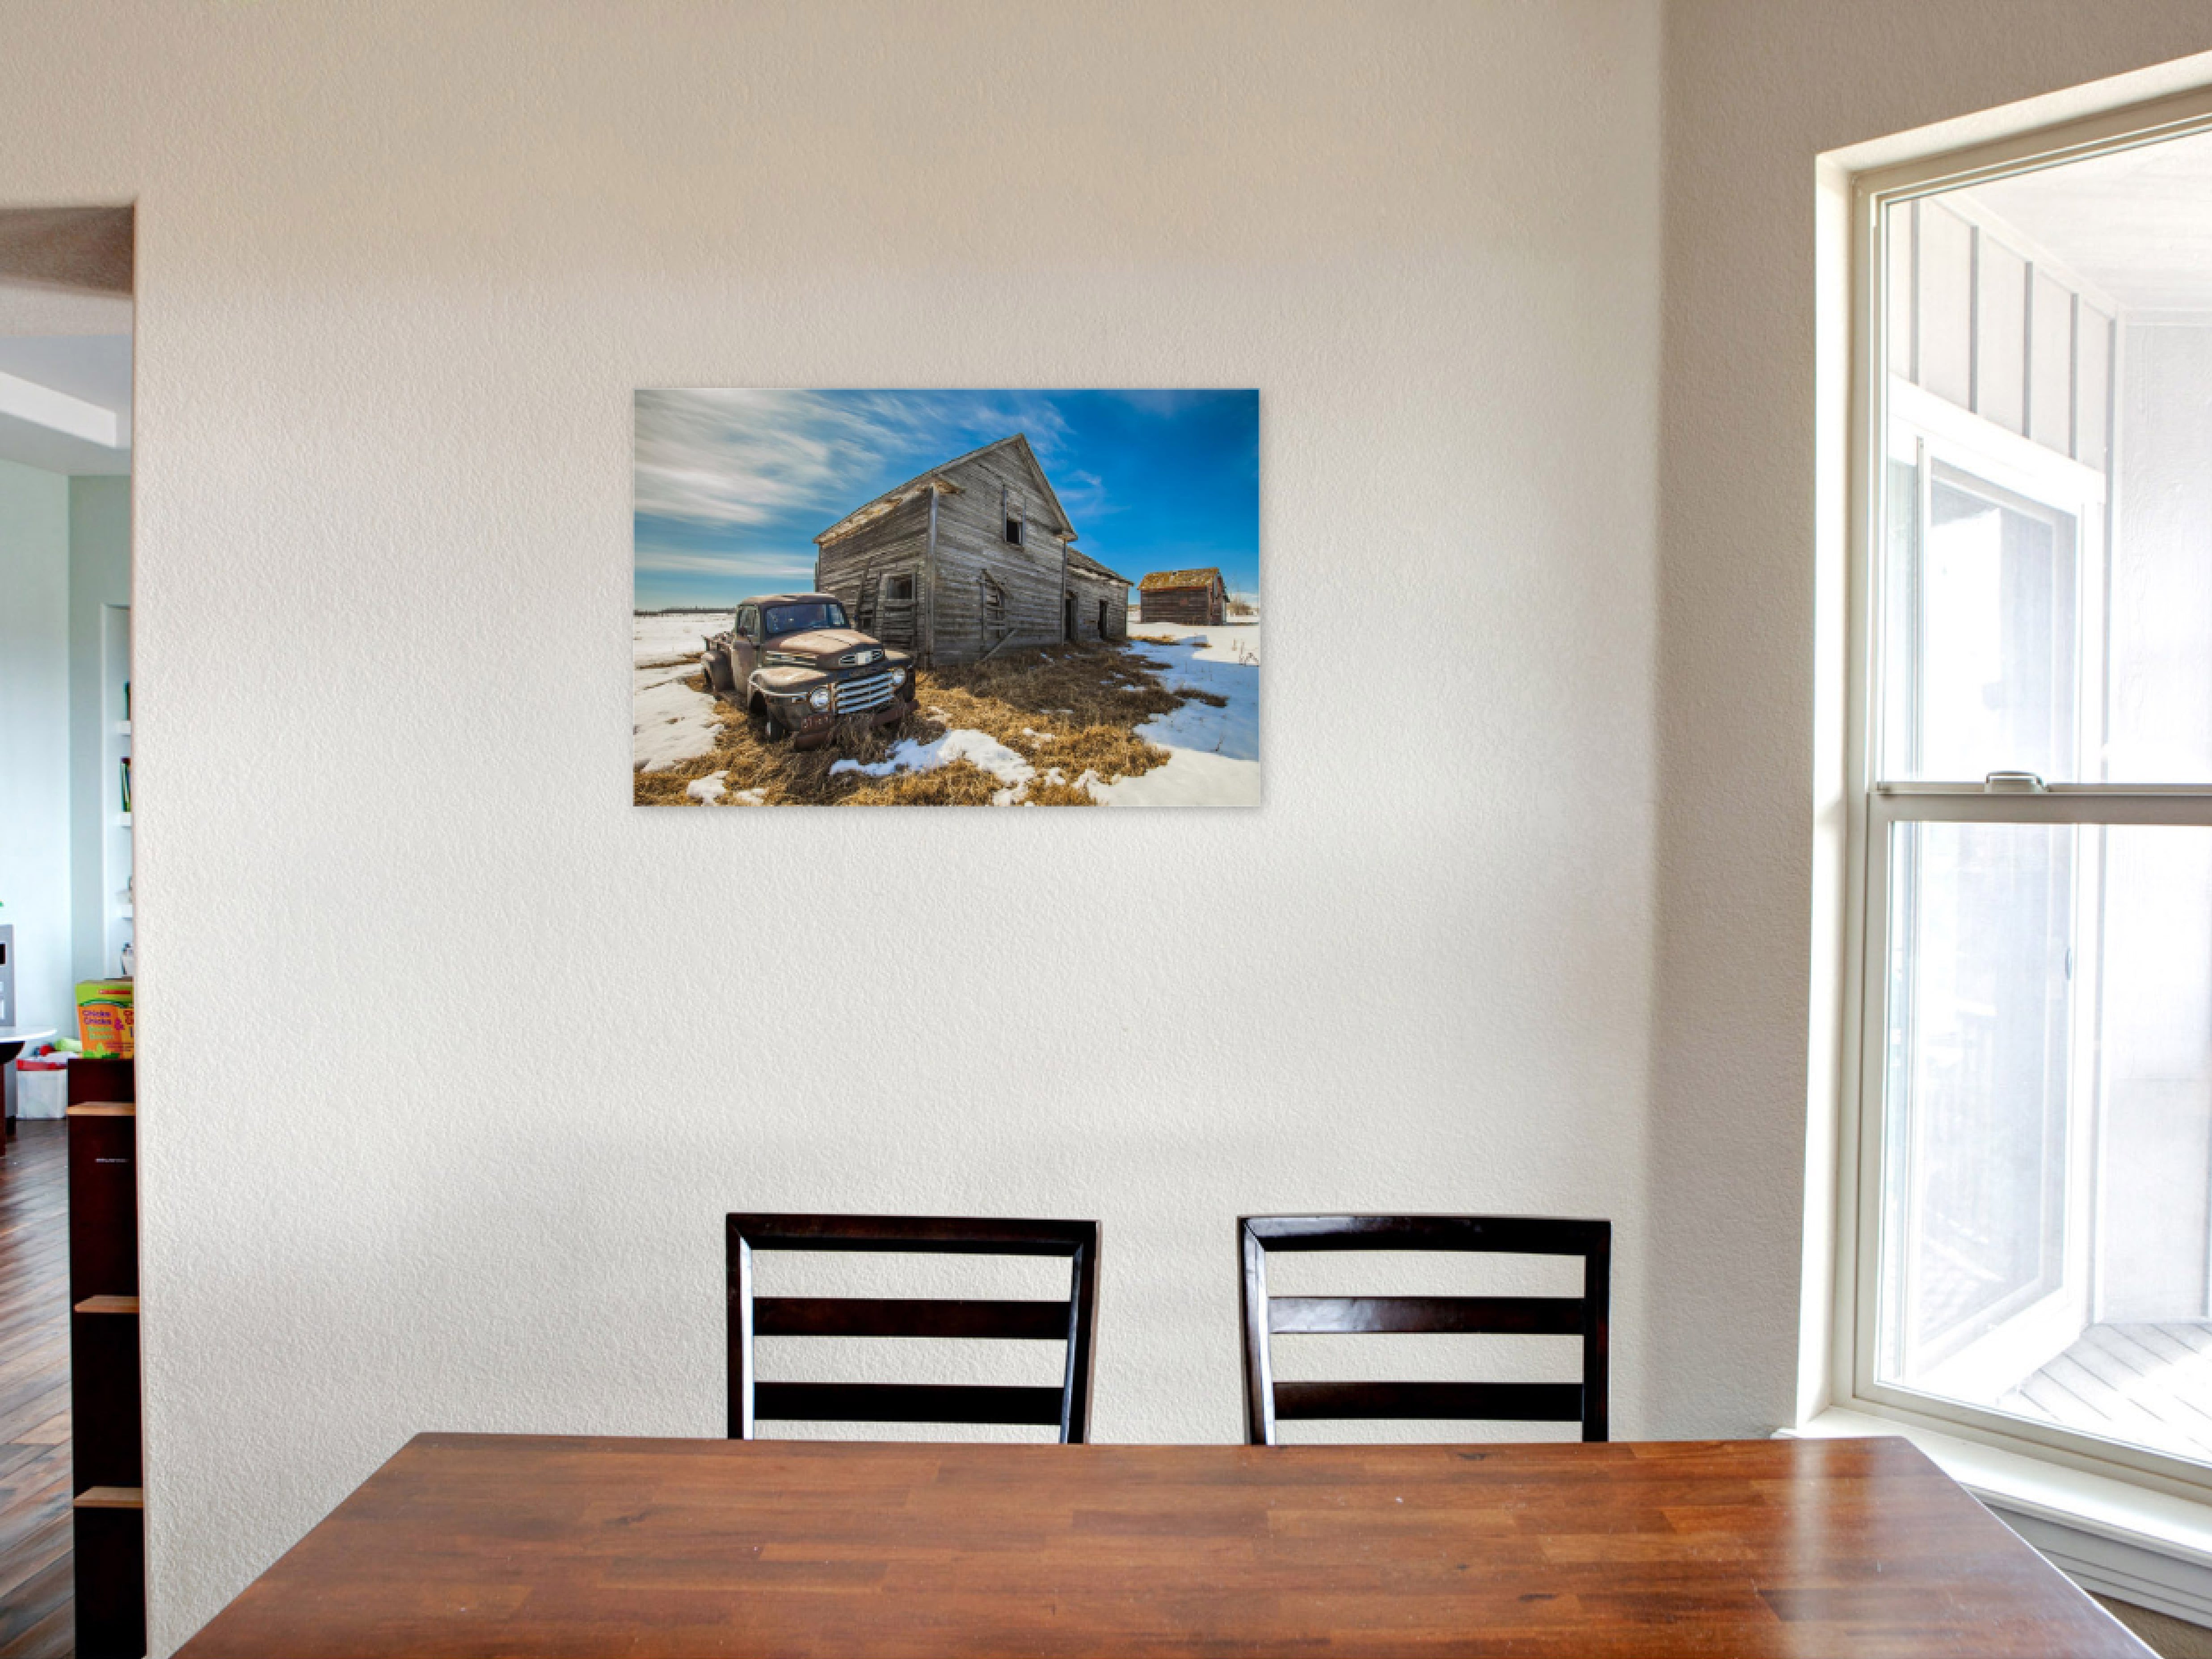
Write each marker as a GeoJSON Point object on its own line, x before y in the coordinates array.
{"type": "Point", "coordinates": [788, 682]}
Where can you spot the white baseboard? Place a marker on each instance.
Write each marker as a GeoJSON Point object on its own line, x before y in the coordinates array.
{"type": "Point", "coordinates": [2125, 1571]}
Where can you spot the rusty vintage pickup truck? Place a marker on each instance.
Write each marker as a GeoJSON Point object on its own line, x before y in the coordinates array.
{"type": "Point", "coordinates": [792, 659]}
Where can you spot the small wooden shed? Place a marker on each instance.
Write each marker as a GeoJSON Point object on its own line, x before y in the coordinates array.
{"type": "Point", "coordinates": [968, 557]}
{"type": "Point", "coordinates": [1183, 596]}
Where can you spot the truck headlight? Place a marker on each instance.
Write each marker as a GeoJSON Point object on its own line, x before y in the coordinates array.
{"type": "Point", "coordinates": [819, 697]}
{"type": "Point", "coordinates": [898, 676]}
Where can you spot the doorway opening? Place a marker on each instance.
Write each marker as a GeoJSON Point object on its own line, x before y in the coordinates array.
{"type": "Point", "coordinates": [72, 1541]}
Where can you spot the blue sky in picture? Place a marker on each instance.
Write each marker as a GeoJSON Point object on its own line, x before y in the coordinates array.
{"type": "Point", "coordinates": [733, 486]}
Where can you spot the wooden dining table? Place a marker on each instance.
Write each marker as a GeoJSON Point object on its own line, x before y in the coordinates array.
{"type": "Point", "coordinates": [481, 1545]}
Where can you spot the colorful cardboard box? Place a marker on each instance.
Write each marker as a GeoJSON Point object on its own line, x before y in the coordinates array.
{"type": "Point", "coordinates": [103, 1018]}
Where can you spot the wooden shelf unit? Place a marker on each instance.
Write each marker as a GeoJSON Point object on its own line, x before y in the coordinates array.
{"type": "Point", "coordinates": [107, 1459]}
{"type": "Point", "coordinates": [110, 1498]}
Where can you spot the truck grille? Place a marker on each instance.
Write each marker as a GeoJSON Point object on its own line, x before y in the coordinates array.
{"type": "Point", "coordinates": [870, 691]}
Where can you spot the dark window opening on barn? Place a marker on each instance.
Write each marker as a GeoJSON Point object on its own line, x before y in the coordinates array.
{"type": "Point", "coordinates": [898, 587]}
{"type": "Point", "coordinates": [1011, 511]}
{"type": "Point", "coordinates": [1102, 619]}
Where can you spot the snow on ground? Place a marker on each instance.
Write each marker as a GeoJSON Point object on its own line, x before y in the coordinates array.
{"type": "Point", "coordinates": [962, 743]}
{"type": "Point", "coordinates": [714, 790]}
{"type": "Point", "coordinates": [669, 722]}
{"type": "Point", "coordinates": [674, 634]}
{"type": "Point", "coordinates": [1213, 753]}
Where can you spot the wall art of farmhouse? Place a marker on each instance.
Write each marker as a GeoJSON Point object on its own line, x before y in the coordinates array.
{"type": "Point", "coordinates": [946, 598]}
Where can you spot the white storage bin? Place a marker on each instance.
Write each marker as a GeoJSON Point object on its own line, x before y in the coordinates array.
{"type": "Point", "coordinates": [41, 1092]}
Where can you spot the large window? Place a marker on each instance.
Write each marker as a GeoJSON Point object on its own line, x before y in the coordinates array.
{"type": "Point", "coordinates": [2032, 1245]}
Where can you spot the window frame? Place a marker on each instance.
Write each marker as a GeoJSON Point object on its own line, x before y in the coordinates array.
{"type": "Point", "coordinates": [1873, 805]}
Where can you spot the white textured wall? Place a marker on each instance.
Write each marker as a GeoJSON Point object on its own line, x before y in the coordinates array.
{"type": "Point", "coordinates": [34, 731]}
{"type": "Point", "coordinates": [443, 1100]}
{"type": "Point", "coordinates": [452, 1061]}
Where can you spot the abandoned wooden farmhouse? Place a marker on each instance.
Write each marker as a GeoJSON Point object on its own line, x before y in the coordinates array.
{"type": "Point", "coordinates": [1183, 596]}
{"type": "Point", "coordinates": [970, 557]}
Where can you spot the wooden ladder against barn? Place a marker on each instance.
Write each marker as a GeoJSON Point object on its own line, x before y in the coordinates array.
{"type": "Point", "coordinates": [991, 613]}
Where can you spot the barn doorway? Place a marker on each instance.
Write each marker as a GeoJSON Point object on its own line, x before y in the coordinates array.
{"type": "Point", "coordinates": [1067, 617]}
{"type": "Point", "coordinates": [1102, 619]}
{"type": "Point", "coordinates": [895, 611]}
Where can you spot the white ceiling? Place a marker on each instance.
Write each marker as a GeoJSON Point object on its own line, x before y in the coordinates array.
{"type": "Point", "coordinates": [2136, 223]}
{"type": "Point", "coordinates": [93, 367]}
{"type": "Point", "coordinates": [38, 308]}
{"type": "Point", "coordinates": [76, 343]}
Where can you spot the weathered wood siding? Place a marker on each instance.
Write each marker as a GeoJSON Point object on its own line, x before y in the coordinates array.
{"type": "Point", "coordinates": [853, 568]}
{"type": "Point", "coordinates": [1202, 606]}
{"type": "Point", "coordinates": [1091, 591]}
{"type": "Point", "coordinates": [980, 592]}
{"type": "Point", "coordinates": [971, 544]}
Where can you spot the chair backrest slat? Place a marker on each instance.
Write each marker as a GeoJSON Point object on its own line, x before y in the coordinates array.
{"type": "Point", "coordinates": [1268, 1402]}
{"type": "Point", "coordinates": [1010, 1322]}
{"type": "Point", "coordinates": [906, 1402]}
{"type": "Point", "coordinates": [1515, 1315]}
{"type": "Point", "coordinates": [1072, 1323]}
{"type": "Point", "coordinates": [1519, 1402]}
{"type": "Point", "coordinates": [918, 1235]}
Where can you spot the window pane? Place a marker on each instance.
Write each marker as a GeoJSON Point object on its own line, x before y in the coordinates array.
{"type": "Point", "coordinates": [1978, 1039]}
{"type": "Point", "coordinates": [2051, 350]}
{"type": "Point", "coordinates": [2046, 1174]}
{"type": "Point", "coordinates": [1981, 652]}
{"type": "Point", "coordinates": [2001, 279]}
{"type": "Point", "coordinates": [2158, 989]}
{"type": "Point", "coordinates": [2050, 356]}
{"type": "Point", "coordinates": [2161, 602]}
{"type": "Point", "coordinates": [1947, 304]}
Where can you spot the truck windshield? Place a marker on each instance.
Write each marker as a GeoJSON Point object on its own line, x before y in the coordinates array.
{"type": "Point", "coordinates": [790, 618]}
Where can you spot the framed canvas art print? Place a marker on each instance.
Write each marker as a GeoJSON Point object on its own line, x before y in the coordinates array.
{"type": "Point", "coordinates": [946, 598]}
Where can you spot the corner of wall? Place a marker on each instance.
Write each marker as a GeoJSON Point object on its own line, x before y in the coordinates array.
{"type": "Point", "coordinates": [1831, 888]}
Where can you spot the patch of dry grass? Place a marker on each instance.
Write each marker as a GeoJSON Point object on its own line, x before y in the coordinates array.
{"type": "Point", "coordinates": [1043, 792]}
{"type": "Point", "coordinates": [1066, 709]}
{"type": "Point", "coordinates": [956, 783]}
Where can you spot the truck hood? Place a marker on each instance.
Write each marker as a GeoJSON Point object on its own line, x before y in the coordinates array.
{"type": "Point", "coordinates": [827, 643]}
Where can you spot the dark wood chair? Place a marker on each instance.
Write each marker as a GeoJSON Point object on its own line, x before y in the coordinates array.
{"type": "Point", "coordinates": [1267, 1402]}
{"type": "Point", "coordinates": [1073, 1322]}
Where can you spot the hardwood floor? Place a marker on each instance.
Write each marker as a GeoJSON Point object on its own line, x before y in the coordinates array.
{"type": "Point", "coordinates": [37, 1617]}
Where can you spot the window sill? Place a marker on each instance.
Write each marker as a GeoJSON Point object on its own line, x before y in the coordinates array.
{"type": "Point", "coordinates": [2150, 1548]}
